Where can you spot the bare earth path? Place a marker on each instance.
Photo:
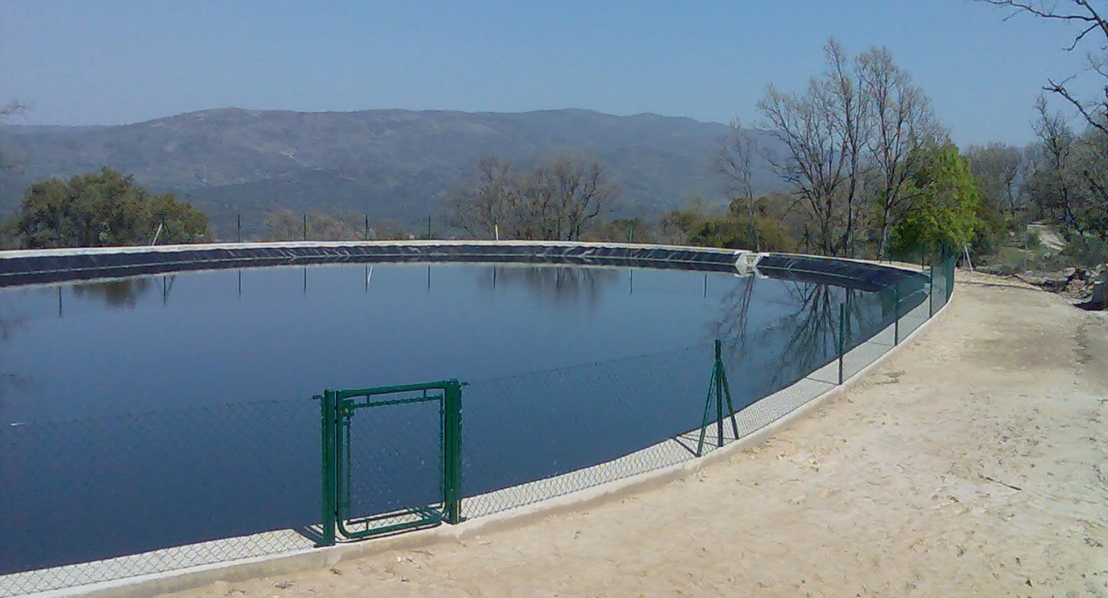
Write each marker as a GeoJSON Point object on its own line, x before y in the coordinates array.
{"type": "Point", "coordinates": [973, 463]}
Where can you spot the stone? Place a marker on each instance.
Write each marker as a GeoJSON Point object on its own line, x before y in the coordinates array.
{"type": "Point", "coordinates": [1100, 294]}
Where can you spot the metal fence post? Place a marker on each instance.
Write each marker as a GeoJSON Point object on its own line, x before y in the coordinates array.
{"type": "Point", "coordinates": [327, 470]}
{"type": "Point", "coordinates": [452, 452]}
{"type": "Point", "coordinates": [849, 330]}
{"type": "Point", "coordinates": [896, 314]}
{"type": "Point", "coordinates": [842, 330]}
{"type": "Point", "coordinates": [719, 393]}
{"type": "Point", "coordinates": [950, 280]}
{"type": "Point", "coordinates": [931, 294]}
{"type": "Point", "coordinates": [717, 383]}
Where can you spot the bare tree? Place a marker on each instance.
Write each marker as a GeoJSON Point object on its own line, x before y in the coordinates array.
{"type": "Point", "coordinates": [1088, 20]}
{"type": "Point", "coordinates": [582, 192]}
{"type": "Point", "coordinates": [903, 122]}
{"type": "Point", "coordinates": [12, 108]}
{"type": "Point", "coordinates": [1070, 180]}
{"type": "Point", "coordinates": [1053, 182]}
{"type": "Point", "coordinates": [810, 164]}
{"type": "Point", "coordinates": [824, 131]}
{"type": "Point", "coordinates": [1000, 168]}
{"type": "Point", "coordinates": [7, 111]}
{"type": "Point", "coordinates": [485, 203]}
{"type": "Point", "coordinates": [852, 117]}
{"type": "Point", "coordinates": [733, 159]}
{"type": "Point", "coordinates": [852, 142]}
{"type": "Point", "coordinates": [556, 200]}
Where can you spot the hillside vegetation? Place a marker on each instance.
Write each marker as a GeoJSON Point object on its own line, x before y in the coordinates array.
{"type": "Point", "coordinates": [388, 164]}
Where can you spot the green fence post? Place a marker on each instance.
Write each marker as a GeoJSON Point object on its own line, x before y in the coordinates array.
{"type": "Point", "coordinates": [726, 390]}
{"type": "Point", "coordinates": [896, 313]}
{"type": "Point", "coordinates": [950, 281]}
{"type": "Point", "coordinates": [842, 334]}
{"type": "Point", "coordinates": [931, 294]}
{"type": "Point", "coordinates": [327, 470]}
{"type": "Point", "coordinates": [717, 383]}
{"type": "Point", "coordinates": [719, 394]}
{"type": "Point", "coordinates": [452, 452]}
{"type": "Point", "coordinates": [849, 328]}
{"type": "Point", "coordinates": [707, 414]}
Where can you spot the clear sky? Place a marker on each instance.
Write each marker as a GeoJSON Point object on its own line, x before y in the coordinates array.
{"type": "Point", "coordinates": [117, 61]}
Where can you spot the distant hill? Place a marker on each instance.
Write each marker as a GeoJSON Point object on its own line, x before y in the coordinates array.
{"type": "Point", "coordinates": [389, 164]}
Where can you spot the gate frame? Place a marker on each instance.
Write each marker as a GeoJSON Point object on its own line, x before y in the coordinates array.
{"type": "Point", "coordinates": [336, 408]}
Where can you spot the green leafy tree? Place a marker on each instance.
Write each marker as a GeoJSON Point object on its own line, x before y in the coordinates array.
{"type": "Point", "coordinates": [949, 209]}
{"type": "Point", "coordinates": [179, 221]}
{"type": "Point", "coordinates": [102, 210]}
{"type": "Point", "coordinates": [739, 233]}
{"type": "Point", "coordinates": [623, 230]}
{"type": "Point", "coordinates": [750, 225]}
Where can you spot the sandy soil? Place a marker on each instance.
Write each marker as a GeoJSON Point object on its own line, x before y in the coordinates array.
{"type": "Point", "coordinates": [973, 463]}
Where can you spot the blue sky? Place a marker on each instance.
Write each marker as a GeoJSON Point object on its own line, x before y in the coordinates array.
{"type": "Point", "coordinates": [115, 61]}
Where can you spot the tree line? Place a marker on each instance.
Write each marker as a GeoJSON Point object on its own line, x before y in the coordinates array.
{"type": "Point", "coordinates": [866, 163]}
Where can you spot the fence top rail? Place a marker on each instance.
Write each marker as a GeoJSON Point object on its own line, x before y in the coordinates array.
{"type": "Point", "coordinates": [444, 385]}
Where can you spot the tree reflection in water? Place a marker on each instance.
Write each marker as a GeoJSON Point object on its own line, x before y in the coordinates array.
{"type": "Point", "coordinates": [125, 292]}
{"type": "Point", "coordinates": [11, 383]}
{"type": "Point", "coordinates": [564, 286]}
{"type": "Point", "coordinates": [120, 293]}
{"type": "Point", "coordinates": [761, 361]}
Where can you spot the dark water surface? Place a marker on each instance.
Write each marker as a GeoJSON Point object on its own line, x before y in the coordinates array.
{"type": "Point", "coordinates": [152, 412]}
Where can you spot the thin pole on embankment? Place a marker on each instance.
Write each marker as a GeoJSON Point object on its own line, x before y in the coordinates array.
{"type": "Point", "coordinates": [842, 338]}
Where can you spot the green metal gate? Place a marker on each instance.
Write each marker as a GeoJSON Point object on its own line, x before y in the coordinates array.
{"type": "Point", "coordinates": [342, 458]}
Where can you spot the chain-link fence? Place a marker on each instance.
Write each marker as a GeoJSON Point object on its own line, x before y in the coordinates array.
{"type": "Point", "coordinates": [118, 496]}
{"type": "Point", "coordinates": [588, 425]}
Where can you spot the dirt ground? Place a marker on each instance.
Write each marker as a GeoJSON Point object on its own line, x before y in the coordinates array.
{"type": "Point", "coordinates": [970, 464]}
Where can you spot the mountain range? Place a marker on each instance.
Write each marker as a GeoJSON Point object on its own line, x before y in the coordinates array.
{"type": "Point", "coordinates": [387, 164]}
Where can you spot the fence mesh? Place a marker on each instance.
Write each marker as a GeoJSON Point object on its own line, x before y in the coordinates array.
{"type": "Point", "coordinates": [572, 419]}
{"type": "Point", "coordinates": [154, 489]}
{"type": "Point", "coordinates": [393, 462]}
{"type": "Point", "coordinates": [174, 489]}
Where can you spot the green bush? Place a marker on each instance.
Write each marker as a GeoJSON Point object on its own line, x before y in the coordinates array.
{"type": "Point", "coordinates": [1087, 255]}
{"type": "Point", "coordinates": [100, 210]}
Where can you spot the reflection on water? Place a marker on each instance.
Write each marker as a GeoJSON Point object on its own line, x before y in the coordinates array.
{"type": "Point", "coordinates": [11, 382]}
{"type": "Point", "coordinates": [122, 293]}
{"type": "Point", "coordinates": [559, 286]}
{"type": "Point", "coordinates": [735, 311]}
{"type": "Point", "coordinates": [10, 324]}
